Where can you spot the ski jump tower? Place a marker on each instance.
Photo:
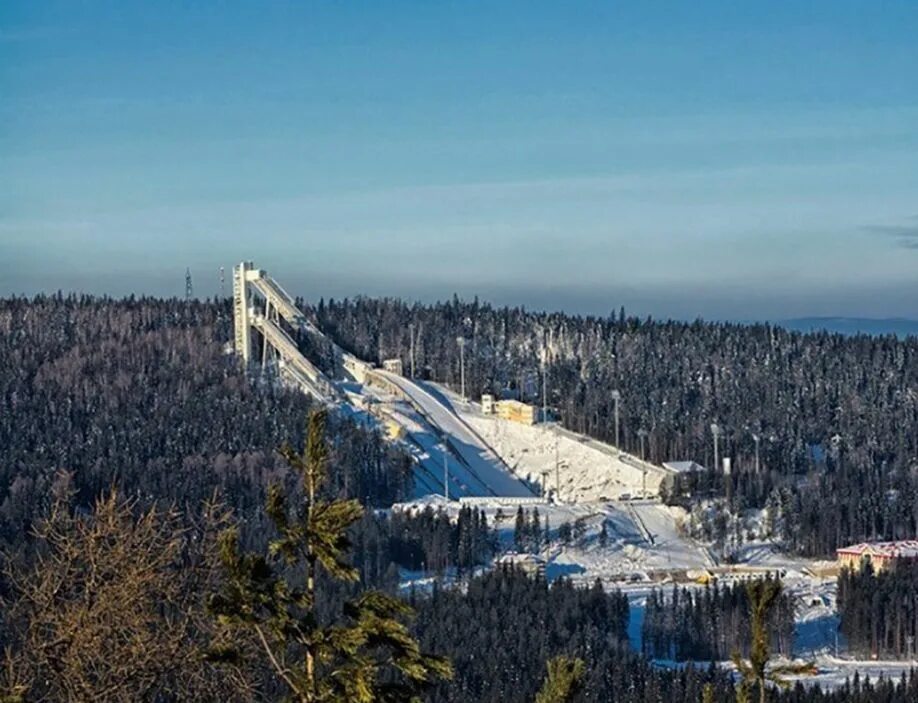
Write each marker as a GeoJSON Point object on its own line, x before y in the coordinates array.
{"type": "Point", "coordinates": [242, 275]}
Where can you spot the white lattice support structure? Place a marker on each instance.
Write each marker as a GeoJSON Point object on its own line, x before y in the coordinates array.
{"type": "Point", "coordinates": [241, 313]}
{"type": "Point", "coordinates": [253, 288]}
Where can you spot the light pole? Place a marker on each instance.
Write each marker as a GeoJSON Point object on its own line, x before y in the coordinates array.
{"type": "Point", "coordinates": [411, 346]}
{"type": "Point", "coordinates": [616, 396]}
{"type": "Point", "coordinates": [756, 438]}
{"type": "Point", "coordinates": [837, 445]}
{"type": "Point", "coordinates": [445, 474]}
{"type": "Point", "coordinates": [642, 433]}
{"type": "Point", "coordinates": [461, 342]}
{"type": "Point", "coordinates": [557, 471]}
{"type": "Point", "coordinates": [715, 431]}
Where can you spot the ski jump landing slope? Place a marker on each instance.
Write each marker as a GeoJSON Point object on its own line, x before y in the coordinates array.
{"type": "Point", "coordinates": [464, 443]}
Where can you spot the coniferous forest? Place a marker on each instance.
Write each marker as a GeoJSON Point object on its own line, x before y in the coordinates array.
{"type": "Point", "coordinates": [125, 423]}
{"type": "Point", "coordinates": [879, 611]}
{"type": "Point", "coordinates": [709, 625]}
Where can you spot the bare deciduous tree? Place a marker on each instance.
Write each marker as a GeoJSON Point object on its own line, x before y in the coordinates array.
{"type": "Point", "coordinates": [109, 608]}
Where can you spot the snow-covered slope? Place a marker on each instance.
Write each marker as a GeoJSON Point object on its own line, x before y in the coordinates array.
{"type": "Point", "coordinates": [473, 465]}
{"type": "Point", "coordinates": [587, 473]}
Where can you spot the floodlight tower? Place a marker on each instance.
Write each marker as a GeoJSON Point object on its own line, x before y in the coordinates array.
{"type": "Point", "coordinates": [837, 441]}
{"type": "Point", "coordinates": [189, 288]}
{"type": "Point", "coordinates": [411, 347]}
{"type": "Point", "coordinates": [461, 342]}
{"type": "Point", "coordinates": [715, 432]}
{"type": "Point", "coordinates": [445, 473]}
{"type": "Point", "coordinates": [642, 433]}
{"type": "Point", "coordinates": [545, 474]}
{"type": "Point", "coordinates": [616, 396]}
{"type": "Point", "coordinates": [757, 438]}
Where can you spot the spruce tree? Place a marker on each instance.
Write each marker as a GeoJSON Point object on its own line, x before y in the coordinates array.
{"type": "Point", "coordinates": [520, 530]}
{"type": "Point", "coordinates": [563, 682]}
{"type": "Point", "coordinates": [536, 530]}
{"type": "Point", "coordinates": [366, 655]}
{"type": "Point", "coordinates": [763, 595]}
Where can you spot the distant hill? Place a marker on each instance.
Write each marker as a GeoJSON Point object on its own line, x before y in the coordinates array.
{"type": "Point", "coordinates": [899, 326]}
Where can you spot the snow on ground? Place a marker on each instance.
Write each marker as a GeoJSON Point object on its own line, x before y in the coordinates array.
{"type": "Point", "coordinates": [643, 541]}
{"type": "Point", "coordinates": [646, 550]}
{"type": "Point", "coordinates": [474, 469]}
{"type": "Point", "coordinates": [834, 671]}
{"type": "Point", "coordinates": [588, 470]}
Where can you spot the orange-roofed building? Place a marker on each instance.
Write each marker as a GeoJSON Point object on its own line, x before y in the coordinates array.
{"type": "Point", "coordinates": [881, 555]}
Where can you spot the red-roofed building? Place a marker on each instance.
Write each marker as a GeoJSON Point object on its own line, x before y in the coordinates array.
{"type": "Point", "coordinates": [881, 555]}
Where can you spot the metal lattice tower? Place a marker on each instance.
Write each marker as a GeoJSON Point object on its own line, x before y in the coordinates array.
{"type": "Point", "coordinates": [189, 288]}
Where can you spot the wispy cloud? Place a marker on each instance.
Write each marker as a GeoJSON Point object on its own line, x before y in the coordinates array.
{"type": "Point", "coordinates": [905, 235]}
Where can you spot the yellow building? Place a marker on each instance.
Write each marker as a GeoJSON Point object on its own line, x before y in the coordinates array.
{"type": "Point", "coordinates": [516, 411]}
{"type": "Point", "coordinates": [394, 430]}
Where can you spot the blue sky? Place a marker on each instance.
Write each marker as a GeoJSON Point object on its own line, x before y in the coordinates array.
{"type": "Point", "coordinates": [723, 159]}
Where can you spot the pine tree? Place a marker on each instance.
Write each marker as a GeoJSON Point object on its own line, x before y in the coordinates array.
{"type": "Point", "coordinates": [536, 530]}
{"type": "Point", "coordinates": [563, 682]}
{"type": "Point", "coordinates": [519, 530]}
{"type": "Point", "coordinates": [579, 528]}
{"type": "Point", "coordinates": [565, 533]}
{"type": "Point", "coordinates": [763, 595]}
{"type": "Point", "coordinates": [707, 693]}
{"type": "Point", "coordinates": [365, 656]}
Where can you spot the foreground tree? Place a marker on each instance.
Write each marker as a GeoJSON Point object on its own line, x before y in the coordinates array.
{"type": "Point", "coordinates": [563, 680]}
{"type": "Point", "coordinates": [109, 608]}
{"type": "Point", "coordinates": [762, 594]}
{"type": "Point", "coordinates": [368, 654]}
{"type": "Point", "coordinates": [755, 673]}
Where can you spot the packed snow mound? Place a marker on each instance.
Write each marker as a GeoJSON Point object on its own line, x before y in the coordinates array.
{"type": "Point", "coordinates": [586, 472]}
